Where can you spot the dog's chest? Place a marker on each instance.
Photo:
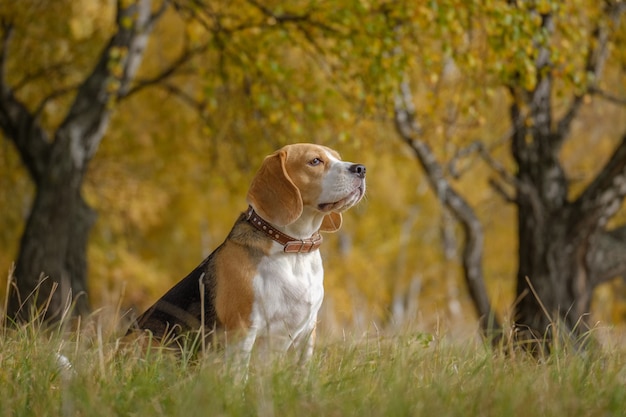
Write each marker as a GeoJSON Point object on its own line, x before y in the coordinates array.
{"type": "Point", "coordinates": [288, 291]}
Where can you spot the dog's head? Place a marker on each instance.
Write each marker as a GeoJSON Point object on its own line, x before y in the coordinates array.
{"type": "Point", "coordinates": [306, 175]}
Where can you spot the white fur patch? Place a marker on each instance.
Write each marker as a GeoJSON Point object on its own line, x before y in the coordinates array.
{"type": "Point", "coordinates": [288, 294]}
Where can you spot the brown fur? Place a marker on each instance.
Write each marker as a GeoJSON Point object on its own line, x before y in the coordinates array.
{"type": "Point", "coordinates": [226, 278]}
{"type": "Point", "coordinates": [273, 193]}
{"type": "Point", "coordinates": [234, 271]}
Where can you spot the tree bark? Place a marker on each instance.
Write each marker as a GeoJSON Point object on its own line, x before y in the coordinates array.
{"type": "Point", "coordinates": [51, 268]}
{"type": "Point", "coordinates": [53, 253]}
{"type": "Point", "coordinates": [564, 249]}
{"type": "Point", "coordinates": [565, 252]}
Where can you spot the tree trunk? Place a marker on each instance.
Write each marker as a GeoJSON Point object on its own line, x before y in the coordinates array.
{"type": "Point", "coordinates": [553, 289]}
{"type": "Point", "coordinates": [51, 270]}
{"type": "Point", "coordinates": [564, 249]}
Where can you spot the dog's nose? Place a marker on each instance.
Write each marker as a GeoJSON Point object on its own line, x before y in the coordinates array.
{"type": "Point", "coordinates": [358, 169]}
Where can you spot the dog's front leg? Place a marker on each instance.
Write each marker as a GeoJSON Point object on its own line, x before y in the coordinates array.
{"type": "Point", "coordinates": [307, 350]}
{"type": "Point", "coordinates": [247, 344]}
{"type": "Point", "coordinates": [240, 354]}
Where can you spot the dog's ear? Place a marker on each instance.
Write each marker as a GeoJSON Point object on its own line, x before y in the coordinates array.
{"type": "Point", "coordinates": [273, 194]}
{"type": "Point", "coordinates": [332, 222]}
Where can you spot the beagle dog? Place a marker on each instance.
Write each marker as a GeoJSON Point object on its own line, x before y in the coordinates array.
{"type": "Point", "coordinates": [266, 279]}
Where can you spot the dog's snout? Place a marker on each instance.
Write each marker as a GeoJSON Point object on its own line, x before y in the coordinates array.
{"type": "Point", "coordinates": [358, 169]}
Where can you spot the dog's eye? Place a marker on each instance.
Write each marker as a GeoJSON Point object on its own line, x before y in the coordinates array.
{"type": "Point", "coordinates": [315, 161]}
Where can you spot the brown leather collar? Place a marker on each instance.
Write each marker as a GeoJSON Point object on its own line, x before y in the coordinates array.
{"type": "Point", "coordinates": [290, 244]}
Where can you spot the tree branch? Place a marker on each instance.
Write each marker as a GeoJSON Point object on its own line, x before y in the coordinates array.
{"type": "Point", "coordinates": [409, 131]}
{"type": "Point", "coordinates": [185, 56]}
{"type": "Point", "coordinates": [16, 121]}
{"type": "Point", "coordinates": [480, 148]}
{"type": "Point", "coordinates": [30, 139]}
{"type": "Point", "coordinates": [55, 94]}
{"type": "Point", "coordinates": [506, 177]}
{"type": "Point", "coordinates": [594, 64]}
{"type": "Point", "coordinates": [606, 259]}
{"type": "Point", "coordinates": [198, 106]}
{"type": "Point", "coordinates": [519, 146]}
{"type": "Point", "coordinates": [156, 16]}
{"type": "Point", "coordinates": [279, 18]}
{"type": "Point", "coordinates": [499, 189]}
{"type": "Point", "coordinates": [541, 97]}
{"type": "Point", "coordinates": [203, 14]}
{"type": "Point", "coordinates": [145, 21]}
{"type": "Point", "coordinates": [604, 195]}
{"type": "Point", "coordinates": [620, 101]}
{"type": "Point", "coordinates": [290, 18]}
{"type": "Point", "coordinates": [88, 117]}
{"type": "Point", "coordinates": [40, 73]}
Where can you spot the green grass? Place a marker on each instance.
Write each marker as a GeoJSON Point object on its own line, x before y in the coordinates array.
{"type": "Point", "coordinates": [401, 375]}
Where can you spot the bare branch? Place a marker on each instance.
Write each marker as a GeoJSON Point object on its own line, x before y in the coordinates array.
{"type": "Point", "coordinates": [499, 189]}
{"type": "Point", "coordinates": [185, 56]}
{"type": "Point", "coordinates": [88, 117]}
{"type": "Point", "coordinates": [564, 125]}
{"type": "Point", "coordinates": [604, 195]}
{"type": "Point", "coordinates": [184, 96]}
{"type": "Point", "coordinates": [291, 18]}
{"type": "Point", "coordinates": [405, 114]}
{"type": "Point", "coordinates": [21, 127]}
{"type": "Point", "coordinates": [17, 122]}
{"type": "Point", "coordinates": [200, 106]}
{"type": "Point", "coordinates": [212, 22]}
{"type": "Point", "coordinates": [605, 258]}
{"type": "Point", "coordinates": [620, 101]}
{"type": "Point", "coordinates": [158, 14]}
{"type": "Point", "coordinates": [278, 18]}
{"type": "Point", "coordinates": [52, 96]}
{"type": "Point", "coordinates": [45, 72]}
{"type": "Point", "coordinates": [480, 148]}
{"type": "Point", "coordinates": [503, 173]}
{"type": "Point", "coordinates": [410, 132]}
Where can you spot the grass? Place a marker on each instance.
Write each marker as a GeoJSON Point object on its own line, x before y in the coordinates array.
{"type": "Point", "coordinates": [408, 374]}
